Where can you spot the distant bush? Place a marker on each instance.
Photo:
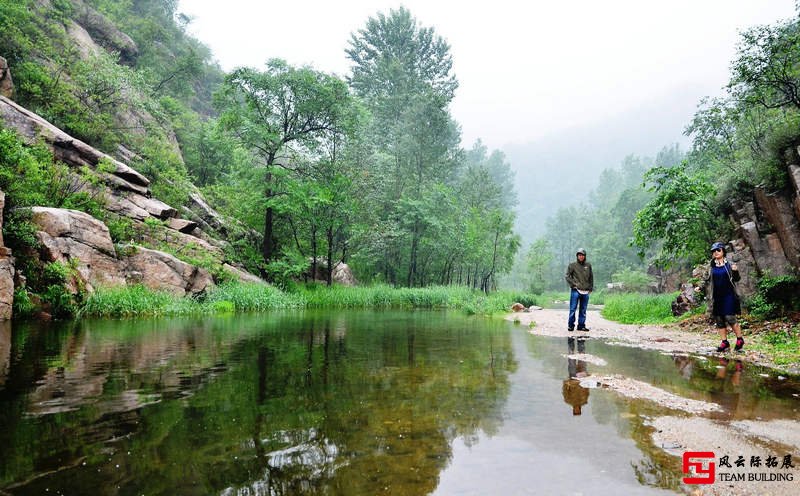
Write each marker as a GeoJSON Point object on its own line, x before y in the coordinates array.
{"type": "Point", "coordinates": [634, 281]}
{"type": "Point", "coordinates": [775, 296]}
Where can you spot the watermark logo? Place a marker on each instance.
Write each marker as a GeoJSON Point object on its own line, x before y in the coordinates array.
{"type": "Point", "coordinates": [700, 467]}
{"type": "Point", "coordinates": [701, 472]}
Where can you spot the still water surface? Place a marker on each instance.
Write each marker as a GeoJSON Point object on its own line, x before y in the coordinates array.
{"type": "Point", "coordinates": [350, 403]}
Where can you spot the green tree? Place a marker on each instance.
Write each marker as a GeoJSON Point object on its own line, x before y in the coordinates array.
{"type": "Point", "coordinates": [538, 264]}
{"type": "Point", "coordinates": [280, 114]}
{"type": "Point", "coordinates": [680, 217]}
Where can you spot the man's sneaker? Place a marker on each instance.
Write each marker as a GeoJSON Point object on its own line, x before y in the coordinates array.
{"type": "Point", "coordinates": [584, 329]}
{"type": "Point", "coordinates": [724, 346]}
{"type": "Point", "coordinates": [739, 344]}
{"type": "Point", "coordinates": [570, 329]}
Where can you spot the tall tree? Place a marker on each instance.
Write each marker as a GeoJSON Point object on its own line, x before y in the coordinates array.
{"type": "Point", "coordinates": [280, 114]}
{"type": "Point", "coordinates": [403, 73]}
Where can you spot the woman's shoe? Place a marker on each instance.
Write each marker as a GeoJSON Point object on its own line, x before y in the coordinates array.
{"type": "Point", "coordinates": [724, 346]}
{"type": "Point", "coordinates": [739, 344]}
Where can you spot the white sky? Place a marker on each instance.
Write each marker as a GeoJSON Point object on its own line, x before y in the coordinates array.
{"type": "Point", "coordinates": [526, 68]}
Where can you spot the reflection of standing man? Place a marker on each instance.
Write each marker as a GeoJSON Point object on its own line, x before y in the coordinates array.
{"type": "Point", "coordinates": [575, 394]}
{"type": "Point", "coordinates": [581, 282]}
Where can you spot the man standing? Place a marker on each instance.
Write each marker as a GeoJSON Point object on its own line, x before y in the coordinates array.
{"type": "Point", "coordinates": [581, 282]}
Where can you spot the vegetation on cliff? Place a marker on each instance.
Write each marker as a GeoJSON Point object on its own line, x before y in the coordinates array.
{"type": "Point", "coordinates": [321, 168]}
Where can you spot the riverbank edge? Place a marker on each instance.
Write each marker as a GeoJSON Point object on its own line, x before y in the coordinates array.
{"type": "Point", "coordinates": [138, 301]}
{"type": "Point", "coordinates": [667, 338]}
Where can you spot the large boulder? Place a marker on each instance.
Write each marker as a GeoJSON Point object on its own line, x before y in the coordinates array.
{"type": "Point", "coordinates": [6, 271]}
{"type": "Point", "coordinates": [243, 275]}
{"type": "Point", "coordinates": [162, 271]}
{"type": "Point", "coordinates": [343, 275]}
{"type": "Point", "coordinates": [765, 245]}
{"type": "Point", "coordinates": [6, 283]}
{"type": "Point", "coordinates": [105, 33]}
{"type": "Point", "coordinates": [72, 235]}
{"type": "Point", "coordinates": [6, 83]}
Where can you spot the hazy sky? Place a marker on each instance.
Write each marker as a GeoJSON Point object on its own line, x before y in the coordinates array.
{"type": "Point", "coordinates": [526, 69]}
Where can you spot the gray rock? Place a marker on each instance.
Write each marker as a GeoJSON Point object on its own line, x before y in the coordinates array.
{"type": "Point", "coordinates": [181, 225]}
{"type": "Point", "coordinates": [342, 274]}
{"type": "Point", "coordinates": [243, 275]}
{"type": "Point", "coordinates": [780, 214]}
{"type": "Point", "coordinates": [163, 271]}
{"type": "Point", "coordinates": [154, 207]}
{"type": "Point", "coordinates": [105, 33]}
{"type": "Point", "coordinates": [6, 83]}
{"type": "Point", "coordinates": [78, 226]}
{"type": "Point", "coordinates": [6, 283]}
{"type": "Point", "coordinates": [73, 152]}
{"type": "Point", "coordinates": [71, 235]}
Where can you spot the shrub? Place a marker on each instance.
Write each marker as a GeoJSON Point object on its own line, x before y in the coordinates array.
{"type": "Point", "coordinates": [634, 281]}
{"type": "Point", "coordinates": [775, 296]}
{"type": "Point", "coordinates": [22, 305]}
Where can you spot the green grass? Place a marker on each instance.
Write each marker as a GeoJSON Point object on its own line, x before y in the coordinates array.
{"type": "Point", "coordinates": [639, 308]}
{"type": "Point", "coordinates": [130, 301]}
{"type": "Point", "coordinates": [782, 346]}
{"type": "Point", "coordinates": [240, 297]}
{"type": "Point", "coordinates": [252, 297]}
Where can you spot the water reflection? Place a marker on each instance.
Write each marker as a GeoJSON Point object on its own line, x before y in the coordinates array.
{"type": "Point", "coordinates": [5, 349]}
{"type": "Point", "coordinates": [575, 394]}
{"type": "Point", "coordinates": [280, 404]}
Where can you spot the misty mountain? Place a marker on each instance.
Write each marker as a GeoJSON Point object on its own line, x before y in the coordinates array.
{"type": "Point", "coordinates": [560, 170]}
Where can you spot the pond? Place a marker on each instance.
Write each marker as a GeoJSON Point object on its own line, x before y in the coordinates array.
{"type": "Point", "coordinates": [350, 403]}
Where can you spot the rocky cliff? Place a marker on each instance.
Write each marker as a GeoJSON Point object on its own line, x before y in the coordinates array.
{"type": "Point", "coordinates": [767, 242]}
{"type": "Point", "coordinates": [76, 238]}
{"type": "Point", "coordinates": [768, 228]}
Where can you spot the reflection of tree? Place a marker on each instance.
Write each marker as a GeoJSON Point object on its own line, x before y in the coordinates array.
{"type": "Point", "coordinates": [273, 405]}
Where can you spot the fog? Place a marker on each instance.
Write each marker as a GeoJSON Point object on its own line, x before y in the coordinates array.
{"type": "Point", "coordinates": [564, 88]}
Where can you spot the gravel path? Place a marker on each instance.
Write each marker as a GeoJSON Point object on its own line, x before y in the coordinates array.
{"type": "Point", "coordinates": [667, 339]}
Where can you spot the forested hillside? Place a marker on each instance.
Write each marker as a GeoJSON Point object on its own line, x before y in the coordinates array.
{"type": "Point", "coordinates": [739, 183]}
{"type": "Point", "coordinates": [309, 169]}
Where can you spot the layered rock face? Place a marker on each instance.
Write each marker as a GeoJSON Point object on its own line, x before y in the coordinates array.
{"type": "Point", "coordinates": [769, 230]}
{"type": "Point", "coordinates": [6, 271]}
{"type": "Point", "coordinates": [769, 239]}
{"type": "Point", "coordinates": [67, 235]}
{"type": "Point", "coordinates": [6, 83]}
{"type": "Point", "coordinates": [73, 237]}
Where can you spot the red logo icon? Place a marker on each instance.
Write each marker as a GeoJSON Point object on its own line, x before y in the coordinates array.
{"type": "Point", "coordinates": [700, 474]}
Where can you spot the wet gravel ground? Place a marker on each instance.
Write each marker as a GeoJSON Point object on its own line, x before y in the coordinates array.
{"type": "Point", "coordinates": [669, 339]}
{"type": "Point", "coordinates": [690, 428]}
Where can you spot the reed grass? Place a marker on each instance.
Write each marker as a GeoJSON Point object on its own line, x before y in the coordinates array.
{"type": "Point", "coordinates": [132, 301]}
{"type": "Point", "coordinates": [639, 308]}
{"type": "Point", "coordinates": [249, 297]}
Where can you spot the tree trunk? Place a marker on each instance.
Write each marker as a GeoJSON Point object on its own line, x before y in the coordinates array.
{"type": "Point", "coordinates": [412, 263]}
{"type": "Point", "coordinates": [329, 275]}
{"type": "Point", "coordinates": [314, 254]}
{"type": "Point", "coordinates": [268, 247]}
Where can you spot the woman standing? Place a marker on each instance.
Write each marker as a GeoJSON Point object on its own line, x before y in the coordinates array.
{"type": "Point", "coordinates": [723, 299]}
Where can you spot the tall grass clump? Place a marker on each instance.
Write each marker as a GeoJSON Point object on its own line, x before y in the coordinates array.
{"type": "Point", "coordinates": [252, 297]}
{"type": "Point", "coordinates": [138, 300]}
{"type": "Point", "coordinates": [235, 297]}
{"type": "Point", "coordinates": [638, 308]}
{"type": "Point", "coordinates": [384, 296]}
